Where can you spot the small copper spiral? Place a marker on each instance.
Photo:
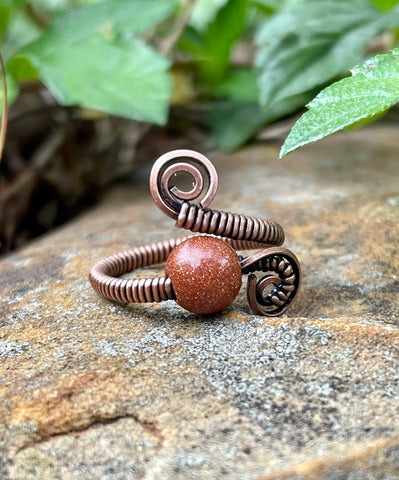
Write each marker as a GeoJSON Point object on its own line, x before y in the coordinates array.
{"type": "Point", "coordinates": [240, 231]}
{"type": "Point", "coordinates": [274, 293]}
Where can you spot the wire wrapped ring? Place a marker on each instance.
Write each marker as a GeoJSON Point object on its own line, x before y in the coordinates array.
{"type": "Point", "coordinates": [221, 232]}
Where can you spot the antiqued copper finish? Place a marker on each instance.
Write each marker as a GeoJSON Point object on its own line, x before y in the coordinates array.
{"type": "Point", "coordinates": [271, 295]}
{"type": "Point", "coordinates": [166, 198]}
{"type": "Point", "coordinates": [275, 292]}
{"type": "Point", "coordinates": [102, 275]}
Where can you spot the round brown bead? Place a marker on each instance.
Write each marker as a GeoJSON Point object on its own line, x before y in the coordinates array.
{"type": "Point", "coordinates": [205, 273]}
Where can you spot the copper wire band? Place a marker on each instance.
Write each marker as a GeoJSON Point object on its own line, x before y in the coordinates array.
{"type": "Point", "coordinates": [271, 295]}
{"type": "Point", "coordinates": [243, 232]}
{"type": "Point", "coordinates": [102, 275]}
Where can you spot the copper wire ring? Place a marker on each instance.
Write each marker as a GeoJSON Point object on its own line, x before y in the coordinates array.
{"type": "Point", "coordinates": [271, 295]}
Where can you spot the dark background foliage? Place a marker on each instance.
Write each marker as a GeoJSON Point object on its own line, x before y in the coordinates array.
{"type": "Point", "coordinates": [97, 87]}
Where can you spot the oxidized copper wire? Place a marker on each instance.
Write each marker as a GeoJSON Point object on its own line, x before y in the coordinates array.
{"type": "Point", "coordinates": [274, 293]}
{"type": "Point", "coordinates": [271, 295]}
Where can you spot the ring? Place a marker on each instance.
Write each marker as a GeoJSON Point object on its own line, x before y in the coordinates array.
{"type": "Point", "coordinates": [203, 273]}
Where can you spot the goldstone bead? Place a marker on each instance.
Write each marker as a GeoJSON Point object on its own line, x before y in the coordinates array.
{"type": "Point", "coordinates": [205, 273]}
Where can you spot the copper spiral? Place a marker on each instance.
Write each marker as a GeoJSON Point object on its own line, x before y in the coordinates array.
{"type": "Point", "coordinates": [270, 296]}
{"type": "Point", "coordinates": [275, 292]}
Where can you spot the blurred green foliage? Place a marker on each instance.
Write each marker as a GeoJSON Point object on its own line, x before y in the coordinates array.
{"type": "Point", "coordinates": [251, 62]}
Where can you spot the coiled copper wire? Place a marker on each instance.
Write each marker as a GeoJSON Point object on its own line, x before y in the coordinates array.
{"type": "Point", "coordinates": [240, 231]}
{"type": "Point", "coordinates": [102, 275]}
{"type": "Point", "coordinates": [247, 232]}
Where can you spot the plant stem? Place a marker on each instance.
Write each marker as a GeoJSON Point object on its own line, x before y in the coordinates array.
{"type": "Point", "coordinates": [178, 27]}
{"type": "Point", "coordinates": [37, 17]}
{"type": "Point", "coordinates": [4, 113]}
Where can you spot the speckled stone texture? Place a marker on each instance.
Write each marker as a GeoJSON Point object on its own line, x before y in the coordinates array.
{"type": "Point", "coordinates": [91, 389]}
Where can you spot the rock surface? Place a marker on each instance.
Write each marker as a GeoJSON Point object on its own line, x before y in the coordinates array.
{"type": "Point", "coordinates": [96, 390]}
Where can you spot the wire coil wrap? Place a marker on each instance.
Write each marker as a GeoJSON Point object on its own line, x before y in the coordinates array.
{"type": "Point", "coordinates": [102, 275]}
{"type": "Point", "coordinates": [271, 295]}
{"type": "Point", "coordinates": [252, 232]}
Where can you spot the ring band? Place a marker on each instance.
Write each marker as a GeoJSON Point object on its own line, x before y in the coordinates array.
{"type": "Point", "coordinates": [271, 295]}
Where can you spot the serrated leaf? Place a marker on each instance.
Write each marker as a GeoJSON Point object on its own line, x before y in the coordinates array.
{"type": "Point", "coordinates": [309, 43]}
{"type": "Point", "coordinates": [372, 88]}
{"type": "Point", "coordinates": [91, 57]}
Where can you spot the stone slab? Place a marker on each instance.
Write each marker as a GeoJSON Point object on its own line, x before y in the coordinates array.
{"type": "Point", "coordinates": [96, 390]}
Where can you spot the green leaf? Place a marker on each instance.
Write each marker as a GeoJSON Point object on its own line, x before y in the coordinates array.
{"type": "Point", "coordinates": [372, 88]}
{"type": "Point", "coordinates": [21, 31]}
{"type": "Point", "coordinates": [309, 43]}
{"type": "Point", "coordinates": [234, 123]}
{"type": "Point", "coordinates": [4, 16]}
{"type": "Point", "coordinates": [239, 86]}
{"type": "Point", "coordinates": [12, 91]}
{"type": "Point", "coordinates": [385, 4]}
{"type": "Point", "coordinates": [191, 42]}
{"type": "Point", "coordinates": [91, 57]}
{"type": "Point", "coordinates": [219, 38]}
{"type": "Point", "coordinates": [268, 6]}
{"type": "Point", "coordinates": [51, 7]}
{"type": "Point", "coordinates": [8, 9]}
{"type": "Point", "coordinates": [22, 69]}
{"type": "Point", "coordinates": [109, 18]}
{"type": "Point", "coordinates": [204, 12]}
{"type": "Point", "coordinates": [124, 78]}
